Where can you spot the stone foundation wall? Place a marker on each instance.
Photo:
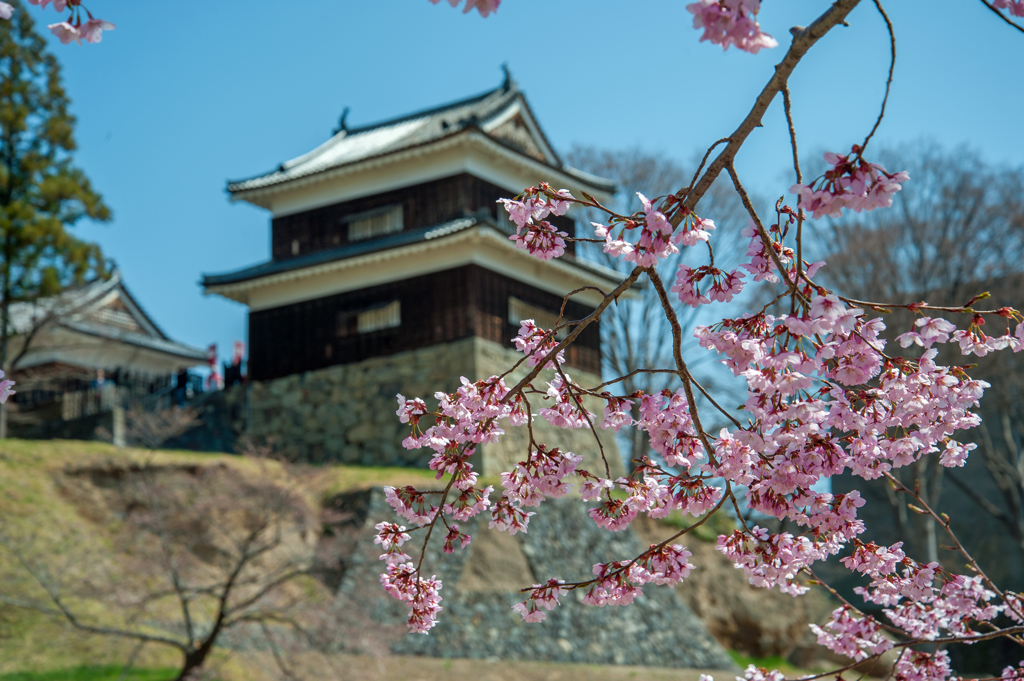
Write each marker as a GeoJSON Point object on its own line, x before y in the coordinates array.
{"type": "Point", "coordinates": [482, 582]}
{"type": "Point", "coordinates": [493, 359]}
{"type": "Point", "coordinates": [346, 413]}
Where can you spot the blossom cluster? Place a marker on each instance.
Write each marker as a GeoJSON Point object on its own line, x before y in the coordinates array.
{"type": "Point", "coordinates": [1015, 7]}
{"type": "Point", "coordinates": [615, 583]}
{"type": "Point", "coordinates": [73, 29]}
{"type": "Point", "coordinates": [658, 238]}
{"type": "Point", "coordinates": [534, 233]}
{"type": "Point", "coordinates": [851, 183]}
{"type": "Point", "coordinates": [731, 22]}
{"type": "Point", "coordinates": [537, 343]}
{"type": "Point", "coordinates": [823, 398]}
{"type": "Point", "coordinates": [420, 595]}
{"type": "Point", "coordinates": [724, 285]}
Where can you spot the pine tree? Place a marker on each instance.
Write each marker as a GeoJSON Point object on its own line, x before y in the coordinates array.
{"type": "Point", "coordinates": [42, 193]}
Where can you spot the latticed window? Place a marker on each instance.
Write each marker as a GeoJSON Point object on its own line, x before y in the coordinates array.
{"type": "Point", "coordinates": [387, 317]}
{"type": "Point", "coordinates": [519, 310]}
{"type": "Point", "coordinates": [375, 223]}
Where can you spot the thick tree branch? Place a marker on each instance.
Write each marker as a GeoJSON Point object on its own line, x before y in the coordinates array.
{"type": "Point", "coordinates": [803, 42]}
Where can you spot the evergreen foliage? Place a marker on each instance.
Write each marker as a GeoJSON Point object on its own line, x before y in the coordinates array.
{"type": "Point", "coordinates": [41, 192]}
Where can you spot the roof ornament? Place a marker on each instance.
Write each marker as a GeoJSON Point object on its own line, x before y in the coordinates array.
{"type": "Point", "coordinates": [343, 123]}
{"type": "Point", "coordinates": [508, 84]}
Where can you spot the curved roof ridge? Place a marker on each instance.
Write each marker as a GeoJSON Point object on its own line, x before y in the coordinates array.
{"type": "Point", "coordinates": [433, 110]}
{"type": "Point", "coordinates": [503, 89]}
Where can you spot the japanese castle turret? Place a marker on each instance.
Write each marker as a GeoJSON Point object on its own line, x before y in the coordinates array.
{"type": "Point", "coordinates": [391, 271]}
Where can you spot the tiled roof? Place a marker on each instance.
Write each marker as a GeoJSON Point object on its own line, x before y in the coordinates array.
{"type": "Point", "coordinates": [358, 144]}
{"type": "Point", "coordinates": [347, 251]}
{"type": "Point", "coordinates": [133, 338]}
{"type": "Point", "coordinates": [72, 308]}
{"type": "Point", "coordinates": [391, 241]}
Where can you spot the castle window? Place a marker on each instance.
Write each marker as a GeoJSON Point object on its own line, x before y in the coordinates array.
{"type": "Point", "coordinates": [376, 318]}
{"type": "Point", "coordinates": [385, 317]}
{"type": "Point", "coordinates": [387, 220]}
{"type": "Point", "coordinates": [518, 310]}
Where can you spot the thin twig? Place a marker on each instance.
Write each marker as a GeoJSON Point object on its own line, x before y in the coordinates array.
{"type": "Point", "coordinates": [788, 108]}
{"type": "Point", "coordinates": [888, 82]}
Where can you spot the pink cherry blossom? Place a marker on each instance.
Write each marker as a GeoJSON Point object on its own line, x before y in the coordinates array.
{"type": "Point", "coordinates": [92, 30]}
{"type": "Point", "coordinates": [693, 229]}
{"type": "Point", "coordinates": [851, 183]}
{"type": "Point", "coordinates": [731, 22]}
{"type": "Point", "coordinates": [391, 537]}
{"type": "Point", "coordinates": [542, 597]}
{"type": "Point", "coordinates": [855, 637]}
{"type": "Point", "coordinates": [541, 240]}
{"type": "Point", "coordinates": [420, 595]}
{"type": "Point", "coordinates": [65, 32]}
{"type": "Point", "coordinates": [537, 343]}
{"type": "Point", "coordinates": [6, 10]}
{"type": "Point", "coordinates": [617, 413]}
{"type": "Point", "coordinates": [1016, 7]}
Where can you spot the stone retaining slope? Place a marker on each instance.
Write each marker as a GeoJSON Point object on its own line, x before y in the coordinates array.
{"type": "Point", "coordinates": [481, 583]}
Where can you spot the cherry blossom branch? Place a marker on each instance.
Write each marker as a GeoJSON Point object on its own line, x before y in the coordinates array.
{"type": "Point", "coordinates": [765, 239]}
{"type": "Point", "coordinates": [802, 42]}
{"type": "Point", "coordinates": [630, 375]}
{"type": "Point", "coordinates": [683, 371]}
{"type": "Point", "coordinates": [582, 324]}
{"type": "Point", "coordinates": [888, 82]}
{"type": "Point", "coordinates": [1003, 16]}
{"type": "Point", "coordinates": [943, 520]}
{"type": "Point", "coordinates": [913, 307]}
{"type": "Point", "coordinates": [624, 567]}
{"type": "Point", "coordinates": [700, 167]}
{"type": "Point", "coordinates": [586, 416]}
{"type": "Point", "coordinates": [788, 108]}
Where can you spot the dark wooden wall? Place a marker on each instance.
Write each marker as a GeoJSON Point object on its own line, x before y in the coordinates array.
{"type": "Point", "coordinates": [423, 205]}
{"type": "Point", "coordinates": [436, 308]}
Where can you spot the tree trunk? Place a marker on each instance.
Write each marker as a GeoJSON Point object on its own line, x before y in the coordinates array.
{"type": "Point", "coordinates": [194, 660]}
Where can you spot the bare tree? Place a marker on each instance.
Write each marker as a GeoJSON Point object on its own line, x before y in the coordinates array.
{"type": "Point", "coordinates": [955, 231]}
{"type": "Point", "coordinates": [204, 552]}
{"type": "Point", "coordinates": [151, 428]}
{"type": "Point", "coordinates": [636, 333]}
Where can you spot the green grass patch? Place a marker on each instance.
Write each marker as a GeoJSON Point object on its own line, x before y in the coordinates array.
{"type": "Point", "coordinates": [107, 673]}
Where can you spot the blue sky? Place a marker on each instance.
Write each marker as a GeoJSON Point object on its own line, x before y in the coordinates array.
{"type": "Point", "coordinates": [183, 96]}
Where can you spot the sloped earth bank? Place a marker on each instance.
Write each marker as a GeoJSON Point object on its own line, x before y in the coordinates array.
{"type": "Point", "coordinates": [44, 489]}
{"type": "Point", "coordinates": [481, 584]}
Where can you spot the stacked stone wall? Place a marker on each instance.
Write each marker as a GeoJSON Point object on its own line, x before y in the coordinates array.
{"type": "Point", "coordinates": [482, 582]}
{"type": "Point", "coordinates": [346, 413]}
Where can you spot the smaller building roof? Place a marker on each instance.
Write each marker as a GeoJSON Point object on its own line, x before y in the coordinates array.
{"type": "Point", "coordinates": [503, 114]}
{"type": "Point", "coordinates": [103, 308]}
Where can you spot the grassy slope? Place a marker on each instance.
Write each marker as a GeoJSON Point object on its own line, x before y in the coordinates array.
{"type": "Point", "coordinates": [32, 507]}
{"type": "Point", "coordinates": [33, 512]}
